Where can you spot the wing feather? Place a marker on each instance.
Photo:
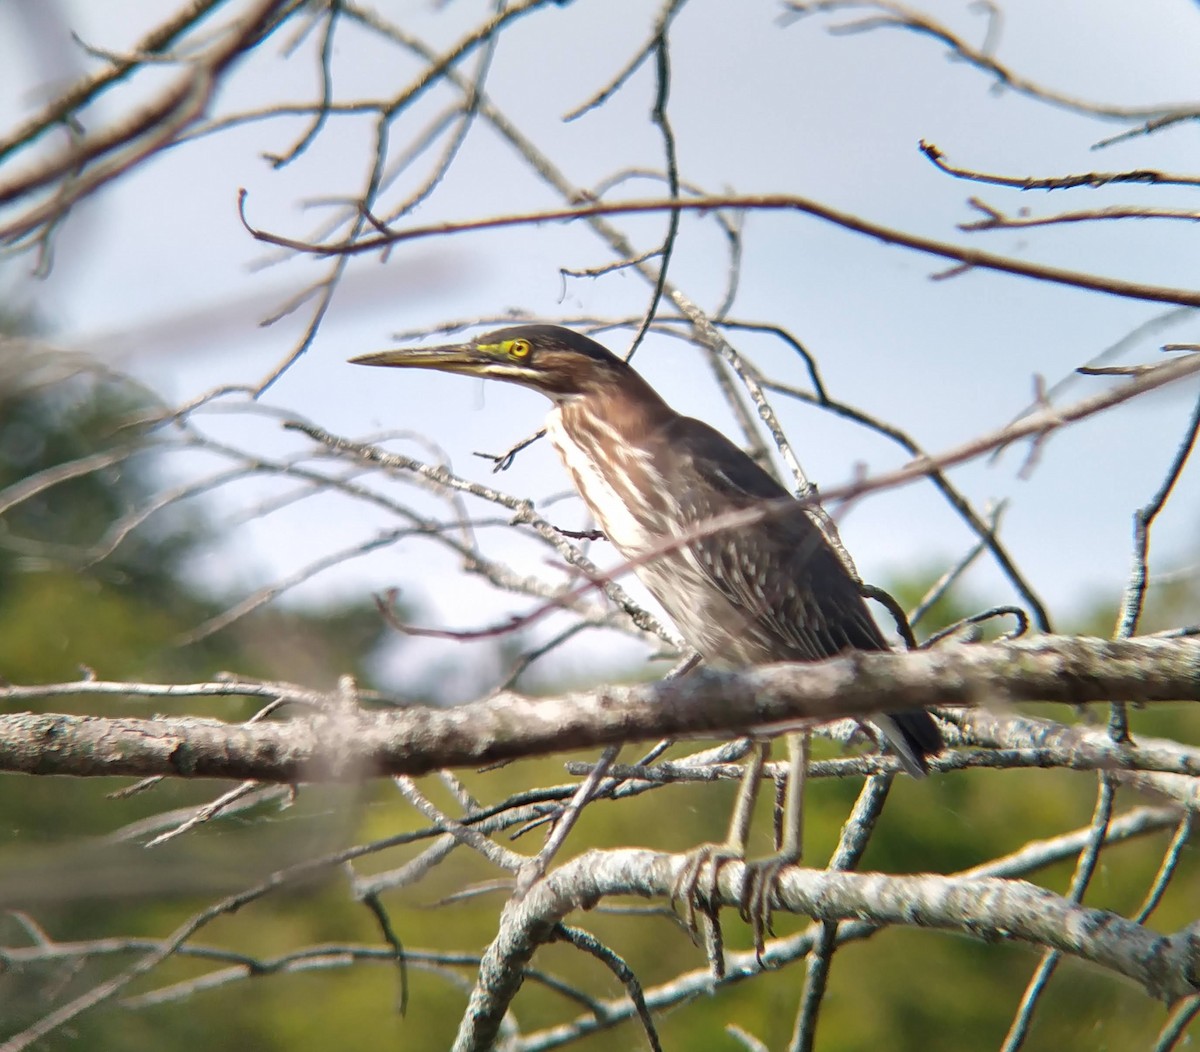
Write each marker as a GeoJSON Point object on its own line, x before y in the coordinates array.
{"type": "Point", "coordinates": [789, 580]}
{"type": "Point", "coordinates": [796, 599]}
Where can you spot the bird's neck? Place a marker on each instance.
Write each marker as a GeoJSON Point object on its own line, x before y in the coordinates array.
{"type": "Point", "coordinates": [602, 444]}
{"type": "Point", "coordinates": [628, 414]}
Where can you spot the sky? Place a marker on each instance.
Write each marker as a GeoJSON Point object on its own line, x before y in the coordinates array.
{"type": "Point", "coordinates": [157, 274]}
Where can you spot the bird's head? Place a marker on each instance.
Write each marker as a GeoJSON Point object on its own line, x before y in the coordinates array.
{"type": "Point", "coordinates": [558, 362]}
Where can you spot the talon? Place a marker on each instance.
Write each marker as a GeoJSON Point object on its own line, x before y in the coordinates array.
{"type": "Point", "coordinates": [757, 904]}
{"type": "Point", "coordinates": [712, 893]}
{"type": "Point", "coordinates": [684, 888]}
{"type": "Point", "coordinates": [697, 889]}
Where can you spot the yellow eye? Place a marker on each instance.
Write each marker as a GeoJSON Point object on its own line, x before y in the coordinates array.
{"type": "Point", "coordinates": [519, 349]}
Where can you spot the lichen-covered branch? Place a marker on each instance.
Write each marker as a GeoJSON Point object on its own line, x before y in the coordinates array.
{"type": "Point", "coordinates": [1168, 967]}
{"type": "Point", "coordinates": [343, 743]}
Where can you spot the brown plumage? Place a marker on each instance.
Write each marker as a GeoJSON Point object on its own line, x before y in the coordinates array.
{"type": "Point", "coordinates": [772, 591]}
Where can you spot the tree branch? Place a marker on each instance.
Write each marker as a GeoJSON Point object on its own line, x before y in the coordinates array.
{"type": "Point", "coordinates": [349, 744]}
{"type": "Point", "coordinates": [1168, 967]}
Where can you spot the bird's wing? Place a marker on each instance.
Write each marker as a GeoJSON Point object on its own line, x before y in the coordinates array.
{"type": "Point", "coordinates": [799, 600]}
{"type": "Point", "coordinates": [781, 571]}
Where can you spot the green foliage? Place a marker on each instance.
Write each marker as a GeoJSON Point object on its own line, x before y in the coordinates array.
{"type": "Point", "coordinates": [86, 430]}
{"type": "Point", "coordinates": [65, 612]}
{"type": "Point", "coordinates": [123, 617]}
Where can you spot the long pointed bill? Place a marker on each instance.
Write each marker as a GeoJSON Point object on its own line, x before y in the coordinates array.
{"type": "Point", "coordinates": [492, 360]}
{"type": "Point", "coordinates": [451, 358]}
{"type": "Point", "coordinates": [503, 359]}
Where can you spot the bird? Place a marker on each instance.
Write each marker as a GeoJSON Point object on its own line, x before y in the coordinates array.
{"type": "Point", "coordinates": [776, 590]}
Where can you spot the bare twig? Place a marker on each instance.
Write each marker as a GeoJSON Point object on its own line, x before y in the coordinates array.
{"type": "Point", "coordinates": [967, 257]}
{"type": "Point", "coordinates": [1092, 180]}
{"type": "Point", "coordinates": [1085, 867]}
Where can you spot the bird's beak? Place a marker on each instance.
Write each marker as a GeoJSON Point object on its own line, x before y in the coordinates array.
{"type": "Point", "coordinates": [451, 358]}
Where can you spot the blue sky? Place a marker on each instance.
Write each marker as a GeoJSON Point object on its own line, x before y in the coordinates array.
{"type": "Point", "coordinates": [158, 275]}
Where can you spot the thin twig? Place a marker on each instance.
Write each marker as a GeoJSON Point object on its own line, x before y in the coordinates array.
{"type": "Point", "coordinates": [587, 942]}
{"type": "Point", "coordinates": [1085, 867]}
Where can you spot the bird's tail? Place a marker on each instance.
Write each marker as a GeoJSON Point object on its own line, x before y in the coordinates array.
{"type": "Point", "coordinates": [914, 736]}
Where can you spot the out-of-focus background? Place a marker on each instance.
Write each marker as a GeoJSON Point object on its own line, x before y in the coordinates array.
{"type": "Point", "coordinates": [207, 548]}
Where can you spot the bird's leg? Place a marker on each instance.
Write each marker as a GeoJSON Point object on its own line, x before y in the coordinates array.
{"type": "Point", "coordinates": [758, 887]}
{"type": "Point", "coordinates": [687, 885]}
{"type": "Point", "coordinates": [761, 875]}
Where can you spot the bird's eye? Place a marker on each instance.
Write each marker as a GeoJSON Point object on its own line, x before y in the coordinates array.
{"type": "Point", "coordinates": [519, 349]}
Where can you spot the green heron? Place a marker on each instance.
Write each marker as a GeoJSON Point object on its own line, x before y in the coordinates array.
{"type": "Point", "coordinates": [773, 591]}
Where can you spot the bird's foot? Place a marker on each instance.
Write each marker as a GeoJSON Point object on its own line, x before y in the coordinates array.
{"type": "Point", "coordinates": [697, 886]}
{"type": "Point", "coordinates": [759, 887]}
{"type": "Point", "coordinates": [697, 889]}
